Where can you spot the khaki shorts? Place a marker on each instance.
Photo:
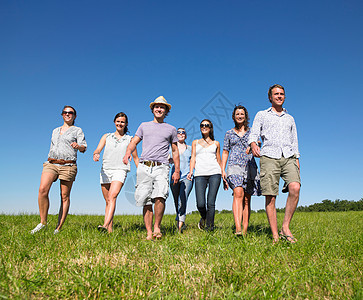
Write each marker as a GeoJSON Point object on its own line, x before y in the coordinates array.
{"type": "Point", "coordinates": [151, 183]}
{"type": "Point", "coordinates": [66, 173]}
{"type": "Point", "coordinates": [271, 171]}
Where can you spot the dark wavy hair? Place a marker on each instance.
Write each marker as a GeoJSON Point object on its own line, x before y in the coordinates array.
{"type": "Point", "coordinates": [211, 132]}
{"type": "Point", "coordinates": [122, 114]}
{"type": "Point", "coordinates": [75, 112]}
{"type": "Point", "coordinates": [246, 121]}
{"type": "Point", "coordinates": [271, 88]}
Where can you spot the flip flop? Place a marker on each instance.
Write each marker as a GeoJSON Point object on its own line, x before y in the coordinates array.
{"type": "Point", "coordinates": [287, 238]}
{"type": "Point", "coordinates": [102, 229]}
{"type": "Point", "coordinates": [157, 235]}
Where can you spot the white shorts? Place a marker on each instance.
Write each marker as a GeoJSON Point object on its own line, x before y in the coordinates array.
{"type": "Point", "coordinates": [107, 176]}
{"type": "Point", "coordinates": [151, 183]}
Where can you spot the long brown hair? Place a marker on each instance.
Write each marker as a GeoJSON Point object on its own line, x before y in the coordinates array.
{"type": "Point", "coordinates": [246, 121]}
{"type": "Point", "coordinates": [211, 132]}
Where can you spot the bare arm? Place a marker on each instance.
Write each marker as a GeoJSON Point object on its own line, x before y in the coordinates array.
{"type": "Point", "coordinates": [175, 151]}
{"type": "Point", "coordinates": [101, 144]}
{"type": "Point", "coordinates": [192, 160]}
{"type": "Point", "coordinates": [136, 157]}
{"type": "Point", "coordinates": [130, 149]}
{"type": "Point", "coordinates": [225, 155]}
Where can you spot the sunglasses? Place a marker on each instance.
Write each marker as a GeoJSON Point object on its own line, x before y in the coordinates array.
{"type": "Point", "coordinates": [67, 112]}
{"type": "Point", "coordinates": [207, 125]}
{"type": "Point", "coordinates": [181, 132]}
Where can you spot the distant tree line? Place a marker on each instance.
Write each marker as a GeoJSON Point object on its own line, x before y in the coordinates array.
{"type": "Point", "coordinates": [325, 205]}
{"type": "Point", "coordinates": [328, 205]}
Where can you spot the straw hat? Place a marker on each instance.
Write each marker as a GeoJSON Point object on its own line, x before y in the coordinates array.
{"type": "Point", "coordinates": [160, 100]}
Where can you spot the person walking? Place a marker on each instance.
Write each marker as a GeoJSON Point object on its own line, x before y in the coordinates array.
{"type": "Point", "coordinates": [114, 171]}
{"type": "Point", "coordinates": [182, 189]}
{"type": "Point", "coordinates": [206, 160]}
{"type": "Point", "coordinates": [152, 183]}
{"type": "Point", "coordinates": [279, 157]}
{"type": "Point", "coordinates": [66, 141]}
{"type": "Point", "coordinates": [242, 172]}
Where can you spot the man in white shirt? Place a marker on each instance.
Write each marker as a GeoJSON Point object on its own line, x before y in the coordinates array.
{"type": "Point", "coordinates": [279, 157]}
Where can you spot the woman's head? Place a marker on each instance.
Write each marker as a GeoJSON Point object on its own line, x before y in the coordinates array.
{"type": "Point", "coordinates": [240, 117]}
{"type": "Point", "coordinates": [69, 114]}
{"type": "Point", "coordinates": [206, 128]}
{"type": "Point", "coordinates": [182, 134]}
{"type": "Point", "coordinates": [121, 120]}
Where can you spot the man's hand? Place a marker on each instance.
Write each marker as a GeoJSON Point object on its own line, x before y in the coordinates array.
{"type": "Point", "coordinates": [255, 150]}
{"type": "Point", "coordinates": [175, 177]}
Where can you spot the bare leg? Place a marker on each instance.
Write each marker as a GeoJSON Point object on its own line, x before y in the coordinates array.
{"type": "Point", "coordinates": [65, 187]}
{"type": "Point", "coordinates": [180, 225]}
{"type": "Point", "coordinates": [148, 220]}
{"type": "Point", "coordinates": [238, 194]}
{"type": "Point", "coordinates": [246, 212]}
{"type": "Point", "coordinates": [159, 209]}
{"type": "Point", "coordinates": [271, 216]}
{"type": "Point", "coordinates": [46, 181]}
{"type": "Point", "coordinates": [105, 189]}
{"type": "Point", "coordinates": [291, 203]}
{"type": "Point", "coordinates": [114, 190]}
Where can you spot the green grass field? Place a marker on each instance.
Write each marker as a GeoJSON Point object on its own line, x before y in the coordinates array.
{"type": "Point", "coordinates": [81, 263]}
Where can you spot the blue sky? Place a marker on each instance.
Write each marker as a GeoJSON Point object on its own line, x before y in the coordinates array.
{"type": "Point", "coordinates": [203, 57]}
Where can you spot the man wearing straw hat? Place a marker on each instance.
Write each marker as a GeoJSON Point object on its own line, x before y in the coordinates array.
{"type": "Point", "coordinates": [152, 184]}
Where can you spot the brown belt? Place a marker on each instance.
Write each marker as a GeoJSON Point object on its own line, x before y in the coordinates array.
{"type": "Point", "coordinates": [150, 163]}
{"type": "Point", "coordinates": [61, 161]}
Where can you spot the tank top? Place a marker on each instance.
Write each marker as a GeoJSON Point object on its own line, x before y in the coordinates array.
{"type": "Point", "coordinates": [115, 150]}
{"type": "Point", "coordinates": [206, 161]}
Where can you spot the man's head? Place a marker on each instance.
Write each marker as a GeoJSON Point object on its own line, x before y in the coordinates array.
{"type": "Point", "coordinates": [276, 95]}
{"type": "Point", "coordinates": [159, 104]}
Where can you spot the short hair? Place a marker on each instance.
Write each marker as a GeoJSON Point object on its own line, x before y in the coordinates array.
{"type": "Point", "coordinates": [75, 112]}
{"type": "Point", "coordinates": [246, 121]}
{"type": "Point", "coordinates": [211, 131]}
{"type": "Point", "coordinates": [122, 114]}
{"type": "Point", "coordinates": [271, 88]}
{"type": "Point", "coordinates": [166, 108]}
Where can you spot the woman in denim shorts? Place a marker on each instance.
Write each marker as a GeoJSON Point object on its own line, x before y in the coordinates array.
{"type": "Point", "coordinates": [66, 141]}
{"type": "Point", "coordinates": [113, 171]}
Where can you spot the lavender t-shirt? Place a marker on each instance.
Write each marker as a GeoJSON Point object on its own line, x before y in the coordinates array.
{"type": "Point", "coordinates": [156, 139]}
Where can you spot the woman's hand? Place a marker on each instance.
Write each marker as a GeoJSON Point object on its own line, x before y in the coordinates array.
{"type": "Point", "coordinates": [96, 156]}
{"type": "Point", "coordinates": [74, 145]}
{"type": "Point", "coordinates": [225, 183]}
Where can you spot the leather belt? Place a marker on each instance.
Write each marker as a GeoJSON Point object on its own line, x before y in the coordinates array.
{"type": "Point", "coordinates": [61, 161]}
{"type": "Point", "coordinates": [150, 163]}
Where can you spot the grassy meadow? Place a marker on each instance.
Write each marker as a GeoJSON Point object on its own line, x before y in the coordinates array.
{"type": "Point", "coordinates": [81, 263]}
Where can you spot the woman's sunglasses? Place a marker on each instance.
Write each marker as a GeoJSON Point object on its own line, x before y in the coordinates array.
{"type": "Point", "coordinates": [67, 112]}
{"type": "Point", "coordinates": [207, 125]}
{"type": "Point", "coordinates": [181, 132]}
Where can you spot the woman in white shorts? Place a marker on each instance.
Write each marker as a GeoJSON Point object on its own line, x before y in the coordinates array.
{"type": "Point", "coordinates": [113, 171]}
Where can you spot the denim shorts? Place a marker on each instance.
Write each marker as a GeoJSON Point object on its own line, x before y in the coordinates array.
{"type": "Point", "coordinates": [107, 176]}
{"type": "Point", "coordinates": [151, 183]}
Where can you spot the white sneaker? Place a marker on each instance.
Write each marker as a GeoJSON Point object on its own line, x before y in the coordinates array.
{"type": "Point", "coordinates": [39, 227]}
{"type": "Point", "coordinates": [56, 231]}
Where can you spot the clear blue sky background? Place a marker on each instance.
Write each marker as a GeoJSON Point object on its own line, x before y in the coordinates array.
{"type": "Point", "coordinates": [103, 57]}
